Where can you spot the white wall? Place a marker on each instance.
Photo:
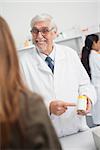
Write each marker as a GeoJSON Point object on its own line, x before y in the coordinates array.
{"type": "Point", "coordinates": [99, 11]}
{"type": "Point", "coordinates": [66, 14]}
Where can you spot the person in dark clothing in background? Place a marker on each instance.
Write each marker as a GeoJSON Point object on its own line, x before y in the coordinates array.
{"type": "Point", "coordinates": [86, 51]}
{"type": "Point", "coordinates": [91, 61]}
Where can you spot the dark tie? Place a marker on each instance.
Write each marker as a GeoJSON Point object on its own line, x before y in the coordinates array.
{"type": "Point", "coordinates": [50, 64]}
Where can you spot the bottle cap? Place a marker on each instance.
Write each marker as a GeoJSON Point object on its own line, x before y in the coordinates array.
{"type": "Point", "coordinates": [82, 97]}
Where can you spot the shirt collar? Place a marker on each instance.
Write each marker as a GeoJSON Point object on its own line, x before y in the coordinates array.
{"type": "Point", "coordinates": [51, 55]}
{"type": "Point", "coordinates": [95, 52]}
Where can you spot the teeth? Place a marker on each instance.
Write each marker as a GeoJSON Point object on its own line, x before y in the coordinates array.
{"type": "Point", "coordinates": [40, 42]}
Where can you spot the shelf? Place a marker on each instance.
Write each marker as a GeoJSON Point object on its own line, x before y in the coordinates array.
{"type": "Point", "coordinates": [67, 39]}
{"type": "Point", "coordinates": [24, 48]}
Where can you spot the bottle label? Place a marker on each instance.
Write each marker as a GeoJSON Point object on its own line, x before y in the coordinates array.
{"type": "Point", "coordinates": [82, 103]}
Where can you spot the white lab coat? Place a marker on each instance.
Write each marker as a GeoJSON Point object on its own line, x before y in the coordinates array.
{"type": "Point", "coordinates": [68, 81]}
{"type": "Point", "coordinates": [94, 60]}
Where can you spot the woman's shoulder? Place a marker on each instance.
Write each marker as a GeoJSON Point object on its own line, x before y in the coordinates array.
{"type": "Point", "coordinates": [27, 94]}
{"type": "Point", "coordinates": [29, 99]}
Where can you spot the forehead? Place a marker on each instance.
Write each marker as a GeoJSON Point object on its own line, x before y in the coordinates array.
{"type": "Point", "coordinates": [40, 24]}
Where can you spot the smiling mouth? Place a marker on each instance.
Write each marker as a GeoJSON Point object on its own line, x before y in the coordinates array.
{"type": "Point", "coordinates": [40, 42]}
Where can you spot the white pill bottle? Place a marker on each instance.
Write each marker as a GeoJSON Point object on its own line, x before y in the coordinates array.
{"type": "Point", "coordinates": [82, 103]}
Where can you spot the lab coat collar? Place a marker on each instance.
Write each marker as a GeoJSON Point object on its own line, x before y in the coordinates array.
{"type": "Point", "coordinates": [59, 56]}
{"type": "Point", "coordinates": [41, 64]}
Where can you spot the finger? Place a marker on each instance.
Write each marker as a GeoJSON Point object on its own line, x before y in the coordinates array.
{"type": "Point", "coordinates": [87, 111]}
{"type": "Point", "coordinates": [66, 107]}
{"type": "Point", "coordinates": [88, 106]}
{"type": "Point", "coordinates": [69, 104]}
{"type": "Point", "coordinates": [81, 112]}
{"type": "Point", "coordinates": [61, 109]}
{"type": "Point", "coordinates": [58, 113]}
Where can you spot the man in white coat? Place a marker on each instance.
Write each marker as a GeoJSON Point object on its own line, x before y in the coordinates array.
{"type": "Point", "coordinates": [55, 72]}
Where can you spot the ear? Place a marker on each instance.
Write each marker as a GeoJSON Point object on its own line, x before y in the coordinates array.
{"type": "Point", "coordinates": [55, 34]}
{"type": "Point", "coordinates": [94, 43]}
{"type": "Point", "coordinates": [94, 46]}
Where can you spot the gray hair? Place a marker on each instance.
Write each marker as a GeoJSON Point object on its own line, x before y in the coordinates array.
{"type": "Point", "coordinates": [44, 17]}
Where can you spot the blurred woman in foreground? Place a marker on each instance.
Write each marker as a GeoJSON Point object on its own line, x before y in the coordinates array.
{"type": "Point", "coordinates": [24, 123]}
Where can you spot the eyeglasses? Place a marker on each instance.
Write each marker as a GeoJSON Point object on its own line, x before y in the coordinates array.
{"type": "Point", "coordinates": [44, 31]}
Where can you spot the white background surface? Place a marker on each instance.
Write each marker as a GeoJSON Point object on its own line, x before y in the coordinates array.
{"type": "Point", "coordinates": [67, 14]}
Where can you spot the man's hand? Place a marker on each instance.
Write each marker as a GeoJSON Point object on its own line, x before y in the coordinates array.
{"type": "Point", "coordinates": [59, 107]}
{"type": "Point", "coordinates": [88, 109]}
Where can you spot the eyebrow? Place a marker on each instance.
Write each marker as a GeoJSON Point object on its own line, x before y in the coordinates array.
{"type": "Point", "coordinates": [41, 27]}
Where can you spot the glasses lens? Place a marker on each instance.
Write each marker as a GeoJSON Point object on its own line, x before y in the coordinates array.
{"type": "Point", "coordinates": [43, 31]}
{"type": "Point", "coordinates": [35, 30]}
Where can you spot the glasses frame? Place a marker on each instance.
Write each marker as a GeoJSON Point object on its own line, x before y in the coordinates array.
{"type": "Point", "coordinates": [41, 31]}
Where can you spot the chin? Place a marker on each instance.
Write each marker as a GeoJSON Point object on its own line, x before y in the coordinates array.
{"type": "Point", "coordinates": [42, 51]}
{"type": "Point", "coordinates": [41, 48]}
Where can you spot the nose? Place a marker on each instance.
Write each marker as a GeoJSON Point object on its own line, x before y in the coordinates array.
{"type": "Point", "coordinates": [39, 35]}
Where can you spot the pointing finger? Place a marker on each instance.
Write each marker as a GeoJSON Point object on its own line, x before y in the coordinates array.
{"type": "Point", "coordinates": [71, 104]}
